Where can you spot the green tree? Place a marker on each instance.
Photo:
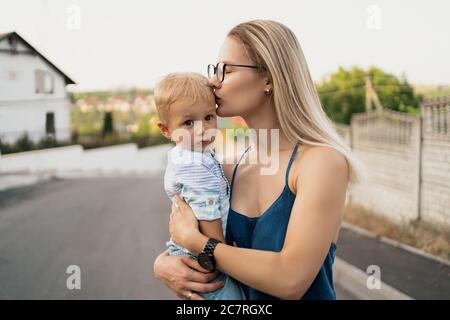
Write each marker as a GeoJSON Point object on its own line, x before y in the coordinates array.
{"type": "Point", "coordinates": [343, 93]}
{"type": "Point", "coordinates": [108, 128]}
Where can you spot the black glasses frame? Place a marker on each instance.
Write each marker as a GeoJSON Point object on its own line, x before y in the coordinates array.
{"type": "Point", "coordinates": [216, 68]}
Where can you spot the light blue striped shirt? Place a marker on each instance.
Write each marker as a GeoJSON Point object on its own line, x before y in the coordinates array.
{"type": "Point", "coordinates": [199, 178]}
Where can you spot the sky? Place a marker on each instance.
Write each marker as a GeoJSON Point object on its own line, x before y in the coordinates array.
{"type": "Point", "coordinates": [120, 44]}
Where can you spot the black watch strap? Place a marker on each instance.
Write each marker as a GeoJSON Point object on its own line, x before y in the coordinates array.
{"type": "Point", "coordinates": [206, 257]}
{"type": "Point", "coordinates": [210, 246]}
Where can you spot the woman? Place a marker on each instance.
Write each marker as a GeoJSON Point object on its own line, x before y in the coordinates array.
{"type": "Point", "coordinates": [285, 225]}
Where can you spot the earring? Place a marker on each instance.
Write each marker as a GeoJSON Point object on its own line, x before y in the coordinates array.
{"type": "Point", "coordinates": [268, 91]}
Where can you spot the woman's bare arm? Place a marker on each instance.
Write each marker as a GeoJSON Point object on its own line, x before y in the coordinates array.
{"type": "Point", "coordinates": [315, 219]}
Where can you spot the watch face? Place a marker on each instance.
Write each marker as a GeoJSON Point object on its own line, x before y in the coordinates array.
{"type": "Point", "coordinates": [206, 262]}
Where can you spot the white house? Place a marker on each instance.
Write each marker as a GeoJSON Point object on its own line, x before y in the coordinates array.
{"type": "Point", "coordinates": [33, 97]}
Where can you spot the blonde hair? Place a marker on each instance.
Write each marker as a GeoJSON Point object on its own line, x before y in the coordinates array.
{"type": "Point", "coordinates": [187, 87]}
{"type": "Point", "coordinates": [297, 105]}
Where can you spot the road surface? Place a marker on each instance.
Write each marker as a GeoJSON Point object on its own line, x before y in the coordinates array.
{"type": "Point", "coordinates": [111, 228]}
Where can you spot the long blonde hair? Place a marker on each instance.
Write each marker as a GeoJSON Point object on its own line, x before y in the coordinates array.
{"type": "Point", "coordinates": [297, 105]}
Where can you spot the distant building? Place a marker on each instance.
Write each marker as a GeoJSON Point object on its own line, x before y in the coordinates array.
{"type": "Point", "coordinates": [33, 97]}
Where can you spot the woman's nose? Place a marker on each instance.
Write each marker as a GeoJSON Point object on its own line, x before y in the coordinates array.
{"type": "Point", "coordinates": [214, 83]}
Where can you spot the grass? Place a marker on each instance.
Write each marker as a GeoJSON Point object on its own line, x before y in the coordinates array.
{"type": "Point", "coordinates": [418, 234]}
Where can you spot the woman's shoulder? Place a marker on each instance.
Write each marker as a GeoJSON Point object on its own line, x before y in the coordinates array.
{"type": "Point", "coordinates": [311, 153]}
{"type": "Point", "coordinates": [312, 159]}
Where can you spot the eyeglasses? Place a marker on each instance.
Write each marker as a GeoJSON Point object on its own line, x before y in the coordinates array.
{"type": "Point", "coordinates": [218, 70]}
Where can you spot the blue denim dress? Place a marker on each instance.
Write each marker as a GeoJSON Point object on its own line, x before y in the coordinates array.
{"type": "Point", "coordinates": [268, 231]}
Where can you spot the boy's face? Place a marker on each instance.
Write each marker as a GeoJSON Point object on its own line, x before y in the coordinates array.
{"type": "Point", "coordinates": [191, 126]}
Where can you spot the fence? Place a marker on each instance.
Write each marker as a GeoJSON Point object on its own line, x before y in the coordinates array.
{"type": "Point", "coordinates": [435, 180]}
{"type": "Point", "coordinates": [408, 162]}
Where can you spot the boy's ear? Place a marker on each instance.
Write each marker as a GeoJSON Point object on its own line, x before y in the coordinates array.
{"type": "Point", "coordinates": [164, 129]}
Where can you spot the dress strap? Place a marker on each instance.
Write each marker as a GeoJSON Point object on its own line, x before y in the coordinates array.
{"type": "Point", "coordinates": [294, 152]}
{"type": "Point", "coordinates": [235, 168]}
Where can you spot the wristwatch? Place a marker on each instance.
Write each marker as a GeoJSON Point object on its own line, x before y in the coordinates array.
{"type": "Point", "coordinates": [206, 257]}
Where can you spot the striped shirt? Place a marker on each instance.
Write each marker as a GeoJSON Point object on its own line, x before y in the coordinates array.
{"type": "Point", "coordinates": [199, 178]}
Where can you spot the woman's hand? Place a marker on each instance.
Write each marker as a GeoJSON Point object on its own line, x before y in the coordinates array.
{"type": "Point", "coordinates": [183, 226]}
{"type": "Point", "coordinates": [183, 276]}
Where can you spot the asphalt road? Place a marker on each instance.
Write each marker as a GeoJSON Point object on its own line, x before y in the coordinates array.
{"type": "Point", "coordinates": [111, 228]}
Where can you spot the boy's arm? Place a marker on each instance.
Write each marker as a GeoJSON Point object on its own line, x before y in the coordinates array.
{"type": "Point", "coordinates": [199, 188]}
{"type": "Point", "coordinates": [212, 229]}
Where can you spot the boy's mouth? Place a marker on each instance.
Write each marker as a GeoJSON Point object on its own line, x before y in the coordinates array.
{"type": "Point", "coordinates": [205, 143]}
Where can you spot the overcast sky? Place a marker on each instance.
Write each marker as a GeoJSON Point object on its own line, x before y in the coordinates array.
{"type": "Point", "coordinates": [109, 44]}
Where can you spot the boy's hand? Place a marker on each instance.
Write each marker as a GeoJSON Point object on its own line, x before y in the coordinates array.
{"type": "Point", "coordinates": [183, 226]}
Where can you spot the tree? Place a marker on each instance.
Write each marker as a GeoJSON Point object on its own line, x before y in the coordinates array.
{"type": "Point", "coordinates": [108, 128]}
{"type": "Point", "coordinates": [343, 93]}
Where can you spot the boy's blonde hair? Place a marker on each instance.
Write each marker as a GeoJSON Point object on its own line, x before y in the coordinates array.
{"type": "Point", "coordinates": [187, 88]}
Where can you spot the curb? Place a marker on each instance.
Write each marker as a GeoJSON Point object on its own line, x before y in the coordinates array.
{"type": "Point", "coordinates": [20, 180]}
{"type": "Point", "coordinates": [354, 280]}
{"type": "Point", "coordinates": [394, 243]}
{"type": "Point", "coordinates": [12, 181]}
{"type": "Point", "coordinates": [106, 174]}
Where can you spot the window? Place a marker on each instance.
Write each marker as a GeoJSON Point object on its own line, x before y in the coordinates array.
{"type": "Point", "coordinates": [50, 123]}
{"type": "Point", "coordinates": [44, 81]}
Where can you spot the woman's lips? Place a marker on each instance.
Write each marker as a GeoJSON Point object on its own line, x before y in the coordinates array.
{"type": "Point", "coordinates": [218, 100]}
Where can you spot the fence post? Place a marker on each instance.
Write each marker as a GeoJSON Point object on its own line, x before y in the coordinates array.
{"type": "Point", "coordinates": [420, 157]}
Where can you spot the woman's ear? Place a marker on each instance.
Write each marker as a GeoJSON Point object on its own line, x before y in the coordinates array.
{"type": "Point", "coordinates": [164, 129]}
{"type": "Point", "coordinates": [268, 85]}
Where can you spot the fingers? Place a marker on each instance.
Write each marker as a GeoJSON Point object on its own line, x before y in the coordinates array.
{"type": "Point", "coordinates": [174, 208]}
{"type": "Point", "coordinates": [190, 295]}
{"type": "Point", "coordinates": [198, 277]}
{"type": "Point", "coordinates": [204, 287]}
{"type": "Point", "coordinates": [179, 203]}
{"type": "Point", "coordinates": [196, 296]}
{"type": "Point", "coordinates": [189, 280]}
{"type": "Point", "coordinates": [211, 276]}
{"type": "Point", "coordinates": [194, 264]}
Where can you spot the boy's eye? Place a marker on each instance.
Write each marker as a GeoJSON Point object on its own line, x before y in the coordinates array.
{"type": "Point", "coordinates": [188, 123]}
{"type": "Point", "coordinates": [209, 117]}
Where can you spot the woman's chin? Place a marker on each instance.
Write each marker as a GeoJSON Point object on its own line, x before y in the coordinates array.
{"type": "Point", "coordinates": [221, 112]}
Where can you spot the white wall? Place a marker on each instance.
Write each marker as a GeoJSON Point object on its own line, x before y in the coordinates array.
{"type": "Point", "coordinates": [54, 159]}
{"type": "Point", "coordinates": [121, 159]}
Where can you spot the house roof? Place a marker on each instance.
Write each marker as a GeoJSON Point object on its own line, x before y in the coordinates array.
{"type": "Point", "coordinates": [14, 34]}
